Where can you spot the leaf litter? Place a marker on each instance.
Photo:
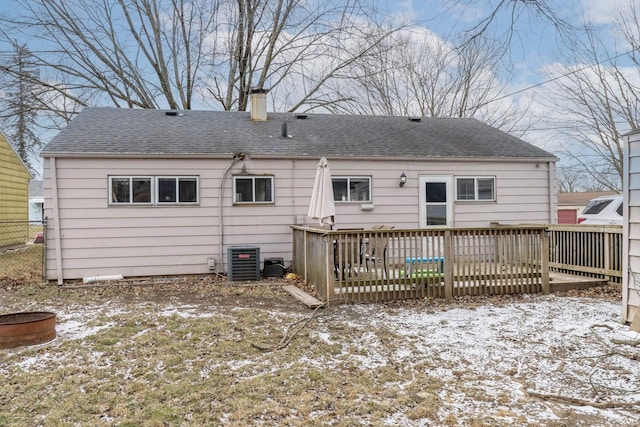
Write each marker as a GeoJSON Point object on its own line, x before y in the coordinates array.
{"type": "Point", "coordinates": [180, 353]}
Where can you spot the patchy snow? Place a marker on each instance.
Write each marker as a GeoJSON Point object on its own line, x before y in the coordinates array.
{"type": "Point", "coordinates": [504, 353]}
{"type": "Point", "coordinates": [552, 346]}
{"type": "Point", "coordinates": [325, 337]}
{"type": "Point", "coordinates": [186, 312]}
{"type": "Point", "coordinates": [77, 329]}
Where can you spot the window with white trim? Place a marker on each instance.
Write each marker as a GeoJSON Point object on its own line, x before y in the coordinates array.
{"type": "Point", "coordinates": [351, 188]}
{"type": "Point", "coordinates": [476, 188]}
{"type": "Point", "coordinates": [252, 189]}
{"type": "Point", "coordinates": [150, 190]}
{"type": "Point", "coordinates": [177, 189]}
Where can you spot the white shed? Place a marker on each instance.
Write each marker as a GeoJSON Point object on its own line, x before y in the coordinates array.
{"type": "Point", "coordinates": [631, 227]}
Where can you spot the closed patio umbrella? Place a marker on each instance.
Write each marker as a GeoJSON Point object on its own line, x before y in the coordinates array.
{"type": "Point", "coordinates": [322, 206]}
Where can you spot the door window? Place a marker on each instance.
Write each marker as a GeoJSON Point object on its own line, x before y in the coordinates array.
{"type": "Point", "coordinates": [436, 201]}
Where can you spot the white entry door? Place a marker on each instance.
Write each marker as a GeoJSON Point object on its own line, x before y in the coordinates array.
{"type": "Point", "coordinates": [436, 201]}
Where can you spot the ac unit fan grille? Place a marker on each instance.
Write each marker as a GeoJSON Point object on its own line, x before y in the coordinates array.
{"type": "Point", "coordinates": [244, 263]}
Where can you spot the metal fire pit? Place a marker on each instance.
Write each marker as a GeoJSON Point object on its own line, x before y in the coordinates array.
{"type": "Point", "coordinates": [28, 328]}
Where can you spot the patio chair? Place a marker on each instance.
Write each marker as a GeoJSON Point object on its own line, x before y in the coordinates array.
{"type": "Point", "coordinates": [346, 257]}
{"type": "Point", "coordinates": [376, 251]}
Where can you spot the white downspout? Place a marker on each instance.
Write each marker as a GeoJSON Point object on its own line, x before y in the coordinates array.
{"type": "Point", "coordinates": [56, 219]}
{"type": "Point", "coordinates": [627, 277]}
{"type": "Point", "coordinates": [553, 195]}
{"type": "Point", "coordinates": [236, 158]}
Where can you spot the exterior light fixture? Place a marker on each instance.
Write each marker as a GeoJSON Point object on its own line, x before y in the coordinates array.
{"type": "Point", "coordinates": [403, 179]}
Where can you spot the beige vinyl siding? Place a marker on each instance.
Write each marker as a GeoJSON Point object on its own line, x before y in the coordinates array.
{"type": "Point", "coordinates": [631, 229]}
{"type": "Point", "coordinates": [522, 193]}
{"type": "Point", "coordinates": [98, 239]}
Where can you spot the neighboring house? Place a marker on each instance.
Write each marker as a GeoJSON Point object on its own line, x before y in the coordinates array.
{"type": "Point", "coordinates": [630, 231]}
{"type": "Point", "coordinates": [14, 194]}
{"type": "Point", "coordinates": [149, 192]}
{"type": "Point", "coordinates": [571, 205]}
{"type": "Point", "coordinates": [36, 200]}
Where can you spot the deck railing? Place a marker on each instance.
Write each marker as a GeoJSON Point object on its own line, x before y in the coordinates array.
{"type": "Point", "coordinates": [382, 265]}
{"type": "Point", "coordinates": [587, 250]}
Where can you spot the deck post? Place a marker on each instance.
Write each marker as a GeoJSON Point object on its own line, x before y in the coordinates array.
{"type": "Point", "coordinates": [544, 260]}
{"type": "Point", "coordinates": [448, 265]}
{"type": "Point", "coordinates": [304, 258]}
{"type": "Point", "coordinates": [329, 256]}
{"type": "Point", "coordinates": [607, 254]}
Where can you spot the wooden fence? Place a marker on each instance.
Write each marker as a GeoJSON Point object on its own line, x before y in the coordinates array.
{"type": "Point", "coordinates": [383, 265]}
{"type": "Point", "coordinates": [587, 250]}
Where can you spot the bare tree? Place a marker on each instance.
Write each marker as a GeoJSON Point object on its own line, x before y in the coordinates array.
{"type": "Point", "coordinates": [569, 180]}
{"type": "Point", "coordinates": [416, 73]}
{"type": "Point", "coordinates": [598, 100]}
{"type": "Point", "coordinates": [177, 53]}
{"type": "Point", "coordinates": [572, 178]}
{"type": "Point", "coordinates": [19, 105]}
{"type": "Point", "coordinates": [534, 12]}
{"type": "Point", "coordinates": [128, 53]}
{"type": "Point", "coordinates": [294, 47]}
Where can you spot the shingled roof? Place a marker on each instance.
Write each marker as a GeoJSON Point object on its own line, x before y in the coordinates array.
{"type": "Point", "coordinates": [130, 132]}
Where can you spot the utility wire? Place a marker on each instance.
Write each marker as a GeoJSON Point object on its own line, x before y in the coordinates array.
{"type": "Point", "coordinates": [552, 79]}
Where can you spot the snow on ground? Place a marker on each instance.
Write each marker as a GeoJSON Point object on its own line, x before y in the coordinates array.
{"type": "Point", "coordinates": [526, 359]}
{"type": "Point", "coordinates": [549, 346]}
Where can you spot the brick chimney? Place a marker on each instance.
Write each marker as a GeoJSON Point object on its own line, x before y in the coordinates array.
{"type": "Point", "coordinates": [259, 104]}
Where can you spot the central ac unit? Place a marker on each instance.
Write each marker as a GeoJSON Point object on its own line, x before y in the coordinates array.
{"type": "Point", "coordinates": [244, 263]}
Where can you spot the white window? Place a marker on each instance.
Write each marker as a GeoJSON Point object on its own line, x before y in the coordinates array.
{"type": "Point", "coordinates": [149, 190]}
{"type": "Point", "coordinates": [351, 188]}
{"type": "Point", "coordinates": [130, 189]}
{"type": "Point", "coordinates": [252, 189]}
{"type": "Point", "coordinates": [177, 190]}
{"type": "Point", "coordinates": [476, 188]}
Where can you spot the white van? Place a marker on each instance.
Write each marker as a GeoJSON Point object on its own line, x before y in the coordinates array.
{"type": "Point", "coordinates": [603, 210]}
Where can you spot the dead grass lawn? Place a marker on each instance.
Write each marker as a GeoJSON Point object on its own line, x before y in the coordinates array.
{"type": "Point", "coordinates": [181, 353]}
{"type": "Point", "coordinates": [21, 265]}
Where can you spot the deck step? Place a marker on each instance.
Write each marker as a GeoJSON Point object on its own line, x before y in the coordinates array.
{"type": "Point", "coordinates": [303, 297]}
{"type": "Point", "coordinates": [562, 282]}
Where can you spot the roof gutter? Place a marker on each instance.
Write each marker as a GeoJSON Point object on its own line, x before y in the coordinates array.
{"type": "Point", "coordinates": [76, 155]}
{"type": "Point", "coordinates": [313, 156]}
{"type": "Point", "coordinates": [405, 159]}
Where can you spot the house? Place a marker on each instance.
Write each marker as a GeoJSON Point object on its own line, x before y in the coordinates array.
{"type": "Point", "coordinates": [571, 205]}
{"type": "Point", "coordinates": [36, 201]}
{"type": "Point", "coordinates": [14, 195]}
{"type": "Point", "coordinates": [149, 192]}
{"type": "Point", "coordinates": [630, 231]}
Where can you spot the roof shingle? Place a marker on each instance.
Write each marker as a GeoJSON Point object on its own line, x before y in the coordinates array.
{"type": "Point", "coordinates": [113, 131]}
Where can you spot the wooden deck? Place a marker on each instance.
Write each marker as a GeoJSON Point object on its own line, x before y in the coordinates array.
{"type": "Point", "coordinates": [384, 265]}
{"type": "Point", "coordinates": [559, 282]}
